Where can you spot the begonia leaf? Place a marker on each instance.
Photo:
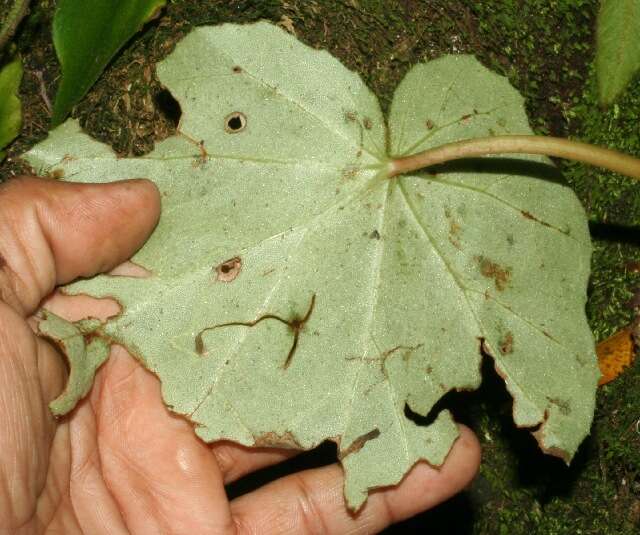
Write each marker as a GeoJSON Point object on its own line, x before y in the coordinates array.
{"type": "Point", "coordinates": [298, 294]}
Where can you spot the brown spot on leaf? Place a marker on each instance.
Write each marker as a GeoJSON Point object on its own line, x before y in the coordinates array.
{"type": "Point", "coordinates": [490, 270]}
{"type": "Point", "coordinates": [229, 269]}
{"type": "Point", "coordinates": [350, 172]}
{"type": "Point", "coordinates": [274, 440]}
{"type": "Point", "coordinates": [563, 405]}
{"type": "Point", "coordinates": [350, 117]}
{"type": "Point", "coordinates": [367, 123]}
{"type": "Point", "coordinates": [454, 229]}
{"type": "Point", "coordinates": [237, 69]}
{"type": "Point", "coordinates": [429, 124]}
{"type": "Point", "coordinates": [375, 235]}
{"type": "Point", "coordinates": [531, 217]}
{"type": "Point", "coordinates": [359, 443]}
{"type": "Point", "coordinates": [506, 343]}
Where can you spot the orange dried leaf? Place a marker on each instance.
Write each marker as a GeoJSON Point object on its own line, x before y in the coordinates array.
{"type": "Point", "coordinates": [615, 354]}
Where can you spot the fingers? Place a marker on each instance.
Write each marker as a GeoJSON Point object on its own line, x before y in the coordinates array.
{"type": "Point", "coordinates": [236, 461]}
{"type": "Point", "coordinates": [163, 478]}
{"type": "Point", "coordinates": [53, 232]}
{"type": "Point", "coordinates": [313, 502]}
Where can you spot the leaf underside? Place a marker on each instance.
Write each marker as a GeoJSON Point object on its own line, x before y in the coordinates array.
{"type": "Point", "coordinates": [297, 294]}
{"type": "Point", "coordinates": [618, 47]}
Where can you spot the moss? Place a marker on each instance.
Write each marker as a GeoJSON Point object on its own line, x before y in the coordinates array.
{"type": "Point", "coordinates": [545, 48]}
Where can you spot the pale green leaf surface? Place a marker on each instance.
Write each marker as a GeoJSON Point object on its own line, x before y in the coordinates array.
{"type": "Point", "coordinates": [618, 46]}
{"type": "Point", "coordinates": [409, 275]}
{"type": "Point", "coordinates": [84, 357]}
{"type": "Point", "coordinates": [10, 106]}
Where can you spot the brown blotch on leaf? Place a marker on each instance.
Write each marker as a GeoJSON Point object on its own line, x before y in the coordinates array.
{"type": "Point", "coordinates": [506, 344]}
{"type": "Point", "coordinates": [237, 69]}
{"type": "Point", "coordinates": [490, 270]}
{"type": "Point", "coordinates": [350, 116]}
{"type": "Point", "coordinates": [454, 229]}
{"type": "Point", "coordinates": [359, 443]}
{"type": "Point", "coordinates": [563, 405]}
{"type": "Point", "coordinates": [274, 440]}
{"type": "Point", "coordinates": [229, 269]}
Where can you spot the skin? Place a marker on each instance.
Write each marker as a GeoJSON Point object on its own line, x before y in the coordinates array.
{"type": "Point", "coordinates": [121, 462]}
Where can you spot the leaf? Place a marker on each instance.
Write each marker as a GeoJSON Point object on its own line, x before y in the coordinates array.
{"type": "Point", "coordinates": [10, 107]}
{"type": "Point", "coordinates": [615, 354]}
{"type": "Point", "coordinates": [86, 35]}
{"type": "Point", "coordinates": [618, 47]}
{"type": "Point", "coordinates": [85, 354]}
{"type": "Point", "coordinates": [297, 294]}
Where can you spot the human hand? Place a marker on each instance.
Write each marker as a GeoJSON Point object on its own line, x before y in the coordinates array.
{"type": "Point", "coordinates": [121, 462]}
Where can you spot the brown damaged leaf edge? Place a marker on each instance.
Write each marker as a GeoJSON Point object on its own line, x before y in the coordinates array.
{"type": "Point", "coordinates": [296, 324]}
{"type": "Point", "coordinates": [274, 440]}
{"type": "Point", "coordinates": [538, 434]}
{"type": "Point", "coordinates": [359, 443]}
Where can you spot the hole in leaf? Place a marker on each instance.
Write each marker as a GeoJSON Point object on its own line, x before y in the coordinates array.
{"type": "Point", "coordinates": [82, 306]}
{"type": "Point", "coordinates": [235, 122]}
{"type": "Point", "coordinates": [448, 401]}
{"type": "Point", "coordinates": [229, 269]}
{"type": "Point", "coordinates": [168, 106]}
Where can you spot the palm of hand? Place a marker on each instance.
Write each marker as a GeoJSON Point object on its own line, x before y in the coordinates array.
{"type": "Point", "coordinates": [121, 463]}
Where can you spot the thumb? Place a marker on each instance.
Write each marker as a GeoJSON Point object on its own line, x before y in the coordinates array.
{"type": "Point", "coordinates": [53, 232]}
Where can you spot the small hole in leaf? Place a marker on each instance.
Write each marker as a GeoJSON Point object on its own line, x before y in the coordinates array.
{"type": "Point", "coordinates": [229, 269]}
{"type": "Point", "coordinates": [168, 106]}
{"type": "Point", "coordinates": [235, 122]}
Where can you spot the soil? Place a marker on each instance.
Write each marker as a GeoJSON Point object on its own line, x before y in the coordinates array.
{"type": "Point", "coordinates": [546, 49]}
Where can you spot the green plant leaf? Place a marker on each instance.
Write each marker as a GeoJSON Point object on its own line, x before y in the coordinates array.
{"type": "Point", "coordinates": [10, 106]}
{"type": "Point", "coordinates": [618, 50]}
{"type": "Point", "coordinates": [85, 354]}
{"type": "Point", "coordinates": [86, 35]}
{"type": "Point", "coordinates": [298, 294]}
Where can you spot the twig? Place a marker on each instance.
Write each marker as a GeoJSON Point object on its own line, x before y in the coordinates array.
{"type": "Point", "coordinates": [549, 146]}
{"type": "Point", "coordinates": [16, 13]}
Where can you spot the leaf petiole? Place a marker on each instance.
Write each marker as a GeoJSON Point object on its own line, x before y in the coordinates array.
{"type": "Point", "coordinates": [548, 146]}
